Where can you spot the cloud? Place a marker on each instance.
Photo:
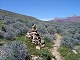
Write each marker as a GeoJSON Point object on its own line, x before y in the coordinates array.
{"type": "Point", "coordinates": [47, 19]}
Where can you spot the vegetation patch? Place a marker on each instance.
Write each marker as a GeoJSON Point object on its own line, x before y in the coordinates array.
{"type": "Point", "coordinates": [1, 22]}
{"type": "Point", "coordinates": [68, 54]}
{"type": "Point", "coordinates": [46, 54]}
{"type": "Point", "coordinates": [31, 46]}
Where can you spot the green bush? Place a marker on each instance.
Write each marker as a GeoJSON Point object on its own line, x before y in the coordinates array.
{"type": "Point", "coordinates": [46, 54]}
{"type": "Point", "coordinates": [67, 54]}
{"type": "Point", "coordinates": [49, 37]}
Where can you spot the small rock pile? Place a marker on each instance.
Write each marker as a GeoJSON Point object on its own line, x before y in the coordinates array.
{"type": "Point", "coordinates": [35, 37]}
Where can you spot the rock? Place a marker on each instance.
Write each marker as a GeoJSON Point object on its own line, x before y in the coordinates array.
{"type": "Point", "coordinates": [74, 51]}
{"type": "Point", "coordinates": [43, 45]}
{"type": "Point", "coordinates": [35, 37]}
{"type": "Point", "coordinates": [34, 26]}
{"type": "Point", "coordinates": [33, 41]}
{"type": "Point", "coordinates": [42, 41]}
{"type": "Point", "coordinates": [34, 33]}
{"type": "Point", "coordinates": [52, 59]}
{"type": "Point", "coordinates": [29, 35]}
{"type": "Point", "coordinates": [33, 57]}
{"type": "Point", "coordinates": [37, 47]}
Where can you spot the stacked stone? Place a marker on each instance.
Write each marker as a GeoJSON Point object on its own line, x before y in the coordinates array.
{"type": "Point", "coordinates": [35, 37]}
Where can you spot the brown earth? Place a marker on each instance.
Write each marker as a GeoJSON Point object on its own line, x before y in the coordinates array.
{"type": "Point", "coordinates": [55, 47]}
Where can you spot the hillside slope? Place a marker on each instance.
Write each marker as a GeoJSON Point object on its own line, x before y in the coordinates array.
{"type": "Point", "coordinates": [4, 13]}
{"type": "Point", "coordinates": [14, 26]}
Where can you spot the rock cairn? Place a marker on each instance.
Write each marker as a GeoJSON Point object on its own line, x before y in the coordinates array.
{"type": "Point", "coordinates": [35, 37]}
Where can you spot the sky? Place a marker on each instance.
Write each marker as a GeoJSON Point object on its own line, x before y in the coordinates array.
{"type": "Point", "coordinates": [42, 9]}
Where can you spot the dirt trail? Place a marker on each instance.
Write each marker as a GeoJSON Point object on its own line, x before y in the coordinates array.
{"type": "Point", "coordinates": [56, 46]}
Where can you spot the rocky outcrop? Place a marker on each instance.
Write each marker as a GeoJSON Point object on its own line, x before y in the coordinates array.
{"type": "Point", "coordinates": [35, 37]}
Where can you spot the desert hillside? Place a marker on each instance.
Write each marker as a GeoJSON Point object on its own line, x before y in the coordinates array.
{"type": "Point", "coordinates": [60, 36]}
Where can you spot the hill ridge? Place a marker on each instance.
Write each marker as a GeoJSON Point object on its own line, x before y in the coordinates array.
{"type": "Point", "coordinates": [16, 15]}
{"type": "Point", "coordinates": [67, 19]}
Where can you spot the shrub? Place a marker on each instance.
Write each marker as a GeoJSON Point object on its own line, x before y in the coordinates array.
{"type": "Point", "coordinates": [77, 36]}
{"type": "Point", "coordinates": [18, 32]}
{"type": "Point", "coordinates": [10, 29]}
{"type": "Point", "coordinates": [67, 41]}
{"type": "Point", "coordinates": [2, 33]}
{"type": "Point", "coordinates": [15, 50]}
{"type": "Point", "coordinates": [17, 25]}
{"type": "Point", "coordinates": [9, 20]}
{"type": "Point", "coordinates": [59, 30]}
{"type": "Point", "coordinates": [4, 28]}
{"type": "Point", "coordinates": [10, 35]}
{"type": "Point", "coordinates": [46, 54]}
{"type": "Point", "coordinates": [49, 37]}
{"type": "Point", "coordinates": [21, 30]}
{"type": "Point", "coordinates": [26, 29]}
{"type": "Point", "coordinates": [41, 28]}
{"type": "Point", "coordinates": [51, 30]}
